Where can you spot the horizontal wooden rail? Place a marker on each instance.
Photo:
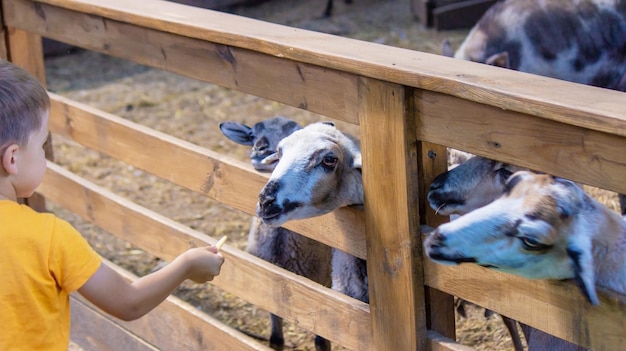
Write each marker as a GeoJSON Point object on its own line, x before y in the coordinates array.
{"type": "Point", "coordinates": [194, 330]}
{"type": "Point", "coordinates": [318, 309]}
{"type": "Point", "coordinates": [217, 176]}
{"type": "Point", "coordinates": [583, 155]}
{"type": "Point", "coordinates": [556, 307]}
{"type": "Point", "coordinates": [101, 23]}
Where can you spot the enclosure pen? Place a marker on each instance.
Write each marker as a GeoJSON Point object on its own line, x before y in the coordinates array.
{"type": "Point", "coordinates": [409, 107]}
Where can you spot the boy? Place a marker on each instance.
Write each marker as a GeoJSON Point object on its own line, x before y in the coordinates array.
{"type": "Point", "coordinates": [43, 258]}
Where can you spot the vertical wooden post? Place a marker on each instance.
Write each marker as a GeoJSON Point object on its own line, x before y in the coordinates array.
{"type": "Point", "coordinates": [3, 36]}
{"type": "Point", "coordinates": [394, 246]}
{"type": "Point", "coordinates": [432, 161]}
{"type": "Point", "coordinates": [25, 50]}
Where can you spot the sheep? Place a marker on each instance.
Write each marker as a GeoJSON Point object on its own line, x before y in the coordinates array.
{"type": "Point", "coordinates": [544, 227]}
{"type": "Point", "coordinates": [471, 184]}
{"type": "Point", "coordinates": [263, 137]}
{"type": "Point", "coordinates": [474, 183]}
{"type": "Point", "coordinates": [277, 245]}
{"type": "Point", "coordinates": [318, 171]}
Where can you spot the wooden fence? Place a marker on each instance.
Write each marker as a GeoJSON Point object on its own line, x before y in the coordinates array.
{"type": "Point", "coordinates": [409, 107]}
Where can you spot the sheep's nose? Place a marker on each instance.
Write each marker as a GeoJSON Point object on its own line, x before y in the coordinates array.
{"type": "Point", "coordinates": [439, 181]}
{"type": "Point", "coordinates": [267, 197]}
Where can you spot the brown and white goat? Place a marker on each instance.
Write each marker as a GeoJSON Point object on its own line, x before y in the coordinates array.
{"type": "Point", "coordinates": [542, 227]}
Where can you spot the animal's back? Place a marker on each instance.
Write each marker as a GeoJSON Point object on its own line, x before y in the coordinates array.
{"type": "Point", "coordinates": [581, 41]}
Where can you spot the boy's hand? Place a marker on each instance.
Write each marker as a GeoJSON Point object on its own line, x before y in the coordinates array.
{"type": "Point", "coordinates": [203, 263]}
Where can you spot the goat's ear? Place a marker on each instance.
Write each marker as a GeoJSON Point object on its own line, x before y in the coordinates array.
{"type": "Point", "coordinates": [446, 48]}
{"type": "Point", "coordinates": [574, 198]}
{"type": "Point", "coordinates": [580, 256]}
{"type": "Point", "coordinates": [500, 59]}
{"type": "Point", "coordinates": [238, 132]}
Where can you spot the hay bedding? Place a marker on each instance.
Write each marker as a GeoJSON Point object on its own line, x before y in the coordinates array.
{"type": "Point", "coordinates": [191, 110]}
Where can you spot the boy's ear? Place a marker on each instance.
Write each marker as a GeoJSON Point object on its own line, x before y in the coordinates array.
{"type": "Point", "coordinates": [9, 161]}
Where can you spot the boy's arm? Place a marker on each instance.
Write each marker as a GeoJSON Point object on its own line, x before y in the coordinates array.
{"type": "Point", "coordinates": [131, 300]}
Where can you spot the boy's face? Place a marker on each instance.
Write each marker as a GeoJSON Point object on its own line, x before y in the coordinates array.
{"type": "Point", "coordinates": [32, 161]}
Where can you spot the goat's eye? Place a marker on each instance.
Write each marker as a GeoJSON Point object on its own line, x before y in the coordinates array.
{"type": "Point", "coordinates": [329, 161]}
{"type": "Point", "coordinates": [531, 244]}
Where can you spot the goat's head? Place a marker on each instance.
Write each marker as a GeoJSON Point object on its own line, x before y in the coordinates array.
{"type": "Point", "coordinates": [318, 170]}
{"type": "Point", "coordinates": [472, 184]}
{"type": "Point", "coordinates": [534, 230]}
{"type": "Point", "coordinates": [264, 137]}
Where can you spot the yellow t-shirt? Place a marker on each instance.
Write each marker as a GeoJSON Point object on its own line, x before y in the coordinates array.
{"type": "Point", "coordinates": [42, 260]}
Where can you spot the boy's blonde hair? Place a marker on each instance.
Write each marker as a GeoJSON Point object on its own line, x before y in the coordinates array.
{"type": "Point", "coordinates": [23, 100]}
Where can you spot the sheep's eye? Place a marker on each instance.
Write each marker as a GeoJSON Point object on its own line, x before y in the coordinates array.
{"type": "Point", "coordinates": [504, 173]}
{"type": "Point", "coordinates": [533, 245]}
{"type": "Point", "coordinates": [329, 161]}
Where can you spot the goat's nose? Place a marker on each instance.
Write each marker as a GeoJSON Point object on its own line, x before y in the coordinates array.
{"type": "Point", "coordinates": [435, 239]}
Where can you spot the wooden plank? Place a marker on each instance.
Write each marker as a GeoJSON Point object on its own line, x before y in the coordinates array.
{"type": "Point", "coordinates": [24, 49]}
{"type": "Point", "coordinates": [325, 312]}
{"type": "Point", "coordinates": [94, 331]}
{"type": "Point", "coordinates": [581, 105]}
{"type": "Point", "coordinates": [231, 182]}
{"type": "Point", "coordinates": [585, 156]}
{"type": "Point", "coordinates": [433, 161]}
{"type": "Point", "coordinates": [306, 86]}
{"type": "Point", "coordinates": [173, 325]}
{"type": "Point", "coordinates": [391, 218]}
{"type": "Point", "coordinates": [553, 306]}
{"type": "Point", "coordinates": [4, 53]}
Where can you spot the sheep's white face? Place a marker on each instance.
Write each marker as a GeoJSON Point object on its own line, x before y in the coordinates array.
{"type": "Point", "coordinates": [472, 184]}
{"type": "Point", "coordinates": [317, 168]}
{"type": "Point", "coordinates": [530, 231]}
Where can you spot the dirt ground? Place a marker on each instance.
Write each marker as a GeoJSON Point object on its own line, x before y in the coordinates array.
{"type": "Point", "coordinates": [192, 110]}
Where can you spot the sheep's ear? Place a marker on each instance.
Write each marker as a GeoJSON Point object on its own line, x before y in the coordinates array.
{"type": "Point", "coordinates": [582, 264]}
{"type": "Point", "coordinates": [328, 123]}
{"type": "Point", "coordinates": [500, 59]}
{"type": "Point", "coordinates": [446, 48]}
{"type": "Point", "coordinates": [238, 132]}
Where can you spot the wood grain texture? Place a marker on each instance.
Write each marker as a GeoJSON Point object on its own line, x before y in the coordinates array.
{"type": "Point", "coordinates": [583, 155]}
{"type": "Point", "coordinates": [552, 306]}
{"type": "Point", "coordinates": [110, 335]}
{"type": "Point", "coordinates": [173, 325]}
{"type": "Point", "coordinates": [576, 104]}
{"type": "Point", "coordinates": [313, 307]}
{"type": "Point", "coordinates": [298, 84]}
{"type": "Point", "coordinates": [231, 182]}
{"type": "Point", "coordinates": [391, 218]}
